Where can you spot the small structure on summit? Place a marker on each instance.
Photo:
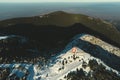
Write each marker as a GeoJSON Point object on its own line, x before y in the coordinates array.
{"type": "Point", "coordinates": [74, 50]}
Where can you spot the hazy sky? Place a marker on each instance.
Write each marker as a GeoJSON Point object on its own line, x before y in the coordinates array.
{"type": "Point", "coordinates": [59, 0]}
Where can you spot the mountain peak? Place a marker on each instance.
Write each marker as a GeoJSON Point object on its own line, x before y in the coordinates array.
{"type": "Point", "coordinates": [64, 19]}
{"type": "Point", "coordinates": [58, 12]}
{"type": "Point", "coordinates": [67, 61]}
{"type": "Point", "coordinates": [91, 58]}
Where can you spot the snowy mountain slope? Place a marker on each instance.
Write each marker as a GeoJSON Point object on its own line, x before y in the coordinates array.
{"type": "Point", "coordinates": [104, 45]}
{"type": "Point", "coordinates": [66, 61]}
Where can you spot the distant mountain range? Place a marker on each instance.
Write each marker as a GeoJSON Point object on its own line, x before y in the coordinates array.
{"type": "Point", "coordinates": [32, 47]}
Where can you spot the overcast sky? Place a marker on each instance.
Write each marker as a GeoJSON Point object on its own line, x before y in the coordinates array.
{"type": "Point", "coordinates": [59, 0]}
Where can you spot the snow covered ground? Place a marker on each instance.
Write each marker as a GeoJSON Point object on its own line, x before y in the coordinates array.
{"type": "Point", "coordinates": [65, 62]}
{"type": "Point", "coordinates": [104, 45]}
{"type": "Point", "coordinates": [3, 37]}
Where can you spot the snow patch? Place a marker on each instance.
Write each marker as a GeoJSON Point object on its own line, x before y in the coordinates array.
{"type": "Point", "coordinates": [3, 37]}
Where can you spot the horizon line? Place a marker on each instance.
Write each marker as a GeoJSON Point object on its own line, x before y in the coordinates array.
{"type": "Point", "coordinates": [64, 2]}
